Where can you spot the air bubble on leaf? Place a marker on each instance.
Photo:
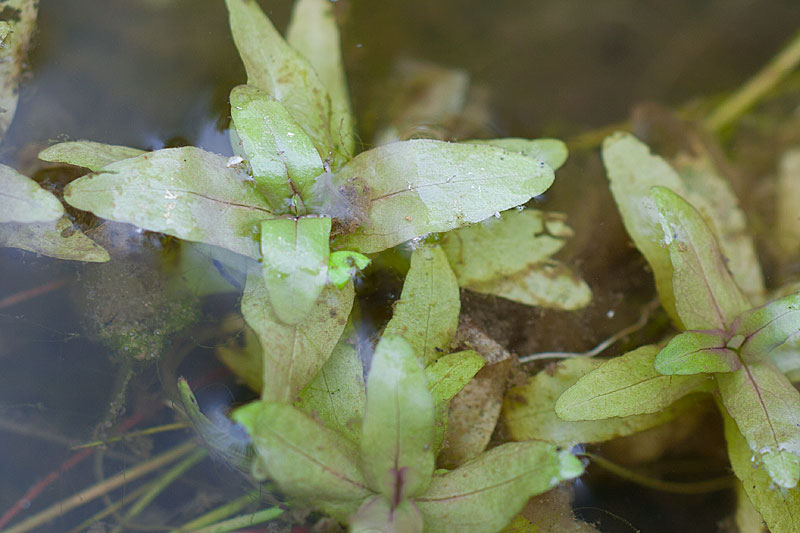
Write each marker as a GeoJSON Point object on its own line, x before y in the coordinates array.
{"type": "Point", "coordinates": [496, 214]}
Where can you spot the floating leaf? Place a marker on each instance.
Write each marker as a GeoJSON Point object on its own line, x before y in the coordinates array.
{"type": "Point", "coordinates": [293, 354]}
{"type": "Point", "coordinates": [632, 172]}
{"type": "Point", "coordinates": [397, 436]}
{"type": "Point", "coordinates": [22, 200]}
{"type": "Point", "coordinates": [19, 22]}
{"type": "Point", "coordinates": [277, 68]}
{"type": "Point", "coordinates": [281, 156]}
{"type": "Point", "coordinates": [410, 188]}
{"type": "Point", "coordinates": [767, 327]}
{"type": "Point", "coordinates": [313, 32]}
{"type": "Point", "coordinates": [447, 376]}
{"type": "Point", "coordinates": [552, 151]}
{"type": "Point", "coordinates": [696, 352]}
{"type": "Point", "coordinates": [295, 264]}
{"type": "Point", "coordinates": [377, 515]}
{"type": "Point", "coordinates": [624, 386]}
{"type": "Point", "coordinates": [88, 154]}
{"type": "Point", "coordinates": [780, 508]}
{"type": "Point", "coordinates": [54, 239]}
{"type": "Point", "coordinates": [550, 284]}
{"type": "Point", "coordinates": [184, 192]}
{"type": "Point", "coordinates": [306, 459]}
{"type": "Point", "coordinates": [766, 408]}
{"type": "Point", "coordinates": [337, 395]}
{"type": "Point", "coordinates": [706, 297]}
{"type": "Point", "coordinates": [529, 411]}
{"type": "Point", "coordinates": [501, 247]}
{"type": "Point", "coordinates": [485, 493]}
{"type": "Point", "coordinates": [427, 313]}
{"type": "Point", "coordinates": [343, 265]}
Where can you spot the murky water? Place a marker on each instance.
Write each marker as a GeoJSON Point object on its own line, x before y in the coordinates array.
{"type": "Point", "coordinates": [155, 73]}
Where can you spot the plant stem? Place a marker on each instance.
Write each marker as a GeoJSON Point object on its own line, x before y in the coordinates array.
{"type": "Point", "coordinates": [756, 87]}
{"type": "Point", "coordinates": [132, 434]}
{"type": "Point", "coordinates": [239, 522]}
{"type": "Point", "coordinates": [113, 508]}
{"type": "Point", "coordinates": [220, 513]}
{"type": "Point", "coordinates": [87, 495]}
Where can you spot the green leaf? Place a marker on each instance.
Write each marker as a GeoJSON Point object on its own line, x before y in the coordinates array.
{"type": "Point", "coordinates": [54, 239]}
{"type": "Point", "coordinates": [293, 354]}
{"type": "Point", "coordinates": [184, 192]}
{"type": "Point", "coordinates": [552, 151]}
{"type": "Point", "coordinates": [551, 284]}
{"type": "Point", "coordinates": [427, 313]}
{"type": "Point", "coordinates": [501, 247]}
{"type": "Point", "coordinates": [22, 200]}
{"type": "Point", "coordinates": [624, 386]}
{"type": "Point", "coordinates": [484, 494]}
{"type": "Point", "coordinates": [277, 68]}
{"type": "Point", "coordinates": [767, 327]}
{"type": "Point", "coordinates": [337, 395]}
{"type": "Point", "coordinates": [697, 352]}
{"type": "Point", "coordinates": [446, 377]}
{"type": "Point", "coordinates": [529, 410]}
{"type": "Point", "coordinates": [407, 189]}
{"type": "Point", "coordinates": [295, 264]}
{"type": "Point", "coordinates": [780, 508]}
{"type": "Point", "coordinates": [19, 24]}
{"type": "Point", "coordinates": [397, 435]}
{"type": "Point", "coordinates": [313, 32]}
{"type": "Point", "coordinates": [706, 297]}
{"type": "Point", "coordinates": [766, 408]}
{"type": "Point", "coordinates": [378, 515]}
{"type": "Point", "coordinates": [282, 157]}
{"type": "Point", "coordinates": [632, 172]}
{"type": "Point", "coordinates": [343, 265]}
{"type": "Point", "coordinates": [787, 198]}
{"type": "Point", "coordinates": [307, 460]}
{"type": "Point", "coordinates": [87, 154]}
{"type": "Point", "coordinates": [220, 438]}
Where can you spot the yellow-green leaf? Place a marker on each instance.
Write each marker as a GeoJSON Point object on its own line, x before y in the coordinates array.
{"type": "Point", "coordinates": [696, 352]}
{"type": "Point", "coordinates": [87, 154]}
{"type": "Point", "coordinates": [22, 200]}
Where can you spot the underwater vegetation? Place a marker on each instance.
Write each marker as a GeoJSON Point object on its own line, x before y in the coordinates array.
{"type": "Point", "coordinates": [424, 422]}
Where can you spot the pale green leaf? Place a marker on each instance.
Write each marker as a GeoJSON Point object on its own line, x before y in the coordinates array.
{"type": "Point", "coordinates": [711, 194]}
{"type": "Point", "coordinates": [343, 265]}
{"type": "Point", "coordinates": [529, 410]}
{"type": "Point", "coordinates": [706, 297]}
{"type": "Point", "coordinates": [624, 386]}
{"type": "Point", "coordinates": [307, 460]}
{"type": "Point", "coordinates": [281, 156]}
{"type": "Point", "coordinates": [19, 25]}
{"type": "Point", "coordinates": [23, 200]}
{"type": "Point", "coordinates": [54, 239]}
{"type": "Point", "coordinates": [293, 354]}
{"type": "Point", "coordinates": [767, 327]}
{"type": "Point", "coordinates": [184, 192]}
{"type": "Point", "coordinates": [787, 198]}
{"type": "Point", "coordinates": [551, 284]}
{"type": "Point", "coordinates": [407, 189]}
{"type": "Point", "coordinates": [632, 172]}
{"type": "Point", "coordinates": [780, 508]}
{"type": "Point", "coordinates": [378, 515]}
{"type": "Point", "coordinates": [397, 435]}
{"type": "Point", "coordinates": [337, 395]}
{"type": "Point", "coordinates": [552, 151]}
{"type": "Point", "coordinates": [696, 352]}
{"type": "Point", "coordinates": [87, 154]}
{"type": "Point", "coordinates": [295, 264]}
{"type": "Point", "coordinates": [484, 494]}
{"type": "Point", "coordinates": [501, 247]}
{"type": "Point", "coordinates": [313, 32]}
{"type": "Point", "coordinates": [766, 408]}
{"type": "Point", "coordinates": [427, 313]}
{"type": "Point", "coordinates": [277, 68]}
{"type": "Point", "coordinates": [446, 377]}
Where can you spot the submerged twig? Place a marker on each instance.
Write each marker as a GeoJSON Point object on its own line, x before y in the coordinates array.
{"type": "Point", "coordinates": [639, 324]}
{"type": "Point", "coordinates": [756, 87]}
